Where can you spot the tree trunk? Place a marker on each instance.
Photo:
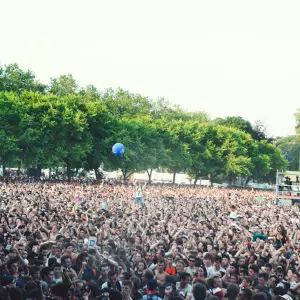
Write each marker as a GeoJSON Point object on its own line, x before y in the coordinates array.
{"type": "Point", "coordinates": [19, 171]}
{"type": "Point", "coordinates": [38, 172]}
{"type": "Point", "coordinates": [97, 173]}
{"type": "Point", "coordinates": [211, 178]}
{"type": "Point", "coordinates": [3, 171]}
{"type": "Point", "coordinates": [149, 175]}
{"type": "Point", "coordinates": [174, 177]}
{"type": "Point", "coordinates": [124, 173]}
{"type": "Point", "coordinates": [195, 181]}
{"type": "Point", "coordinates": [247, 181]}
{"type": "Point", "coordinates": [68, 172]}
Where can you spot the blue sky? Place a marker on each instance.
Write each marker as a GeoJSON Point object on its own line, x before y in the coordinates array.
{"type": "Point", "coordinates": [223, 57]}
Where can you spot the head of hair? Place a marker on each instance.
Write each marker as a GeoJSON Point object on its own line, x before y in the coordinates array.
{"type": "Point", "coordinates": [218, 258]}
{"type": "Point", "coordinates": [248, 279]}
{"type": "Point", "coordinates": [265, 276]}
{"type": "Point", "coordinates": [209, 256]}
{"type": "Point", "coordinates": [52, 261]}
{"type": "Point", "coordinates": [268, 265]}
{"type": "Point", "coordinates": [56, 265]}
{"type": "Point", "coordinates": [111, 273]}
{"type": "Point", "coordinates": [127, 283]}
{"type": "Point", "coordinates": [232, 291]}
{"type": "Point", "coordinates": [126, 275]}
{"type": "Point", "coordinates": [211, 282]}
{"type": "Point", "coordinates": [279, 291]}
{"type": "Point", "coordinates": [63, 259]}
{"type": "Point", "coordinates": [149, 274]}
{"type": "Point", "coordinates": [234, 275]}
{"type": "Point", "coordinates": [184, 275]}
{"type": "Point", "coordinates": [260, 296]}
{"type": "Point", "coordinates": [136, 283]}
{"type": "Point", "coordinates": [10, 262]}
{"type": "Point", "coordinates": [115, 295]}
{"type": "Point", "coordinates": [254, 268]}
{"type": "Point", "coordinates": [33, 269]}
{"type": "Point", "coordinates": [60, 290]}
{"type": "Point", "coordinates": [248, 293]}
{"type": "Point", "coordinates": [15, 293]}
{"type": "Point", "coordinates": [45, 271]}
{"type": "Point", "coordinates": [204, 270]}
{"type": "Point", "coordinates": [199, 291]}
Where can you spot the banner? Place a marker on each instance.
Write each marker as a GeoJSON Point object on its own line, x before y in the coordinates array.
{"type": "Point", "coordinates": [260, 198]}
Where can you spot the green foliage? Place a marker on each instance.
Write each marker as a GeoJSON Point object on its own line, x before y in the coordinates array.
{"type": "Point", "coordinates": [162, 109]}
{"type": "Point", "coordinates": [64, 85]}
{"type": "Point", "coordinates": [237, 123]}
{"type": "Point", "coordinates": [257, 131]}
{"type": "Point", "coordinates": [74, 127]}
{"type": "Point", "coordinates": [216, 150]}
{"type": "Point", "coordinates": [126, 106]}
{"type": "Point", "coordinates": [290, 147]}
{"type": "Point", "coordinates": [13, 79]}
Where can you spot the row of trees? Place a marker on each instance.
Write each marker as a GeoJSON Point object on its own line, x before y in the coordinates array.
{"type": "Point", "coordinates": [63, 124]}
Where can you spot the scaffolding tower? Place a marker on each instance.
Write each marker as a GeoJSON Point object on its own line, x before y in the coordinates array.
{"type": "Point", "coordinates": [288, 187]}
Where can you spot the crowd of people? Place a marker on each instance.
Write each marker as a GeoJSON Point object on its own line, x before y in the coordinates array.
{"type": "Point", "coordinates": [134, 242]}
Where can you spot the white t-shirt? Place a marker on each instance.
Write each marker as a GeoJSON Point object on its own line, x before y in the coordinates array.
{"type": "Point", "coordinates": [104, 205]}
{"type": "Point", "coordinates": [233, 215]}
{"type": "Point", "coordinates": [211, 271]}
{"type": "Point", "coordinates": [186, 290]}
{"type": "Point", "coordinates": [139, 192]}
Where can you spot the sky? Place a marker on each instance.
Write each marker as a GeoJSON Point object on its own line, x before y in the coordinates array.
{"type": "Point", "coordinates": [237, 58]}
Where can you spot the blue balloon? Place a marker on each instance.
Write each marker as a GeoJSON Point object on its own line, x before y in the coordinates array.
{"type": "Point", "coordinates": [118, 149]}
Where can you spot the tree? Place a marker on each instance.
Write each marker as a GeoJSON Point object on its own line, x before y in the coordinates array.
{"type": "Point", "coordinates": [53, 130]}
{"type": "Point", "coordinates": [14, 79]}
{"type": "Point", "coordinates": [129, 134]}
{"type": "Point", "coordinates": [91, 93]}
{"type": "Point", "coordinates": [216, 150]}
{"type": "Point", "coordinates": [237, 123]}
{"type": "Point", "coordinates": [72, 135]}
{"type": "Point", "coordinates": [102, 127]}
{"type": "Point", "coordinates": [163, 109]}
{"type": "Point", "coordinates": [260, 132]}
{"type": "Point", "coordinates": [274, 158]}
{"type": "Point", "coordinates": [64, 85]}
{"type": "Point", "coordinates": [176, 150]}
{"type": "Point", "coordinates": [155, 155]}
{"type": "Point", "coordinates": [141, 148]}
{"type": "Point", "coordinates": [202, 161]}
{"type": "Point", "coordinates": [126, 106]}
{"type": "Point", "coordinates": [9, 126]}
{"type": "Point", "coordinates": [290, 147]}
{"type": "Point", "coordinates": [37, 131]}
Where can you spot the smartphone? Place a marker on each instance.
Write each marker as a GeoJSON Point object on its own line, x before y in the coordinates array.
{"type": "Point", "coordinates": [92, 242]}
